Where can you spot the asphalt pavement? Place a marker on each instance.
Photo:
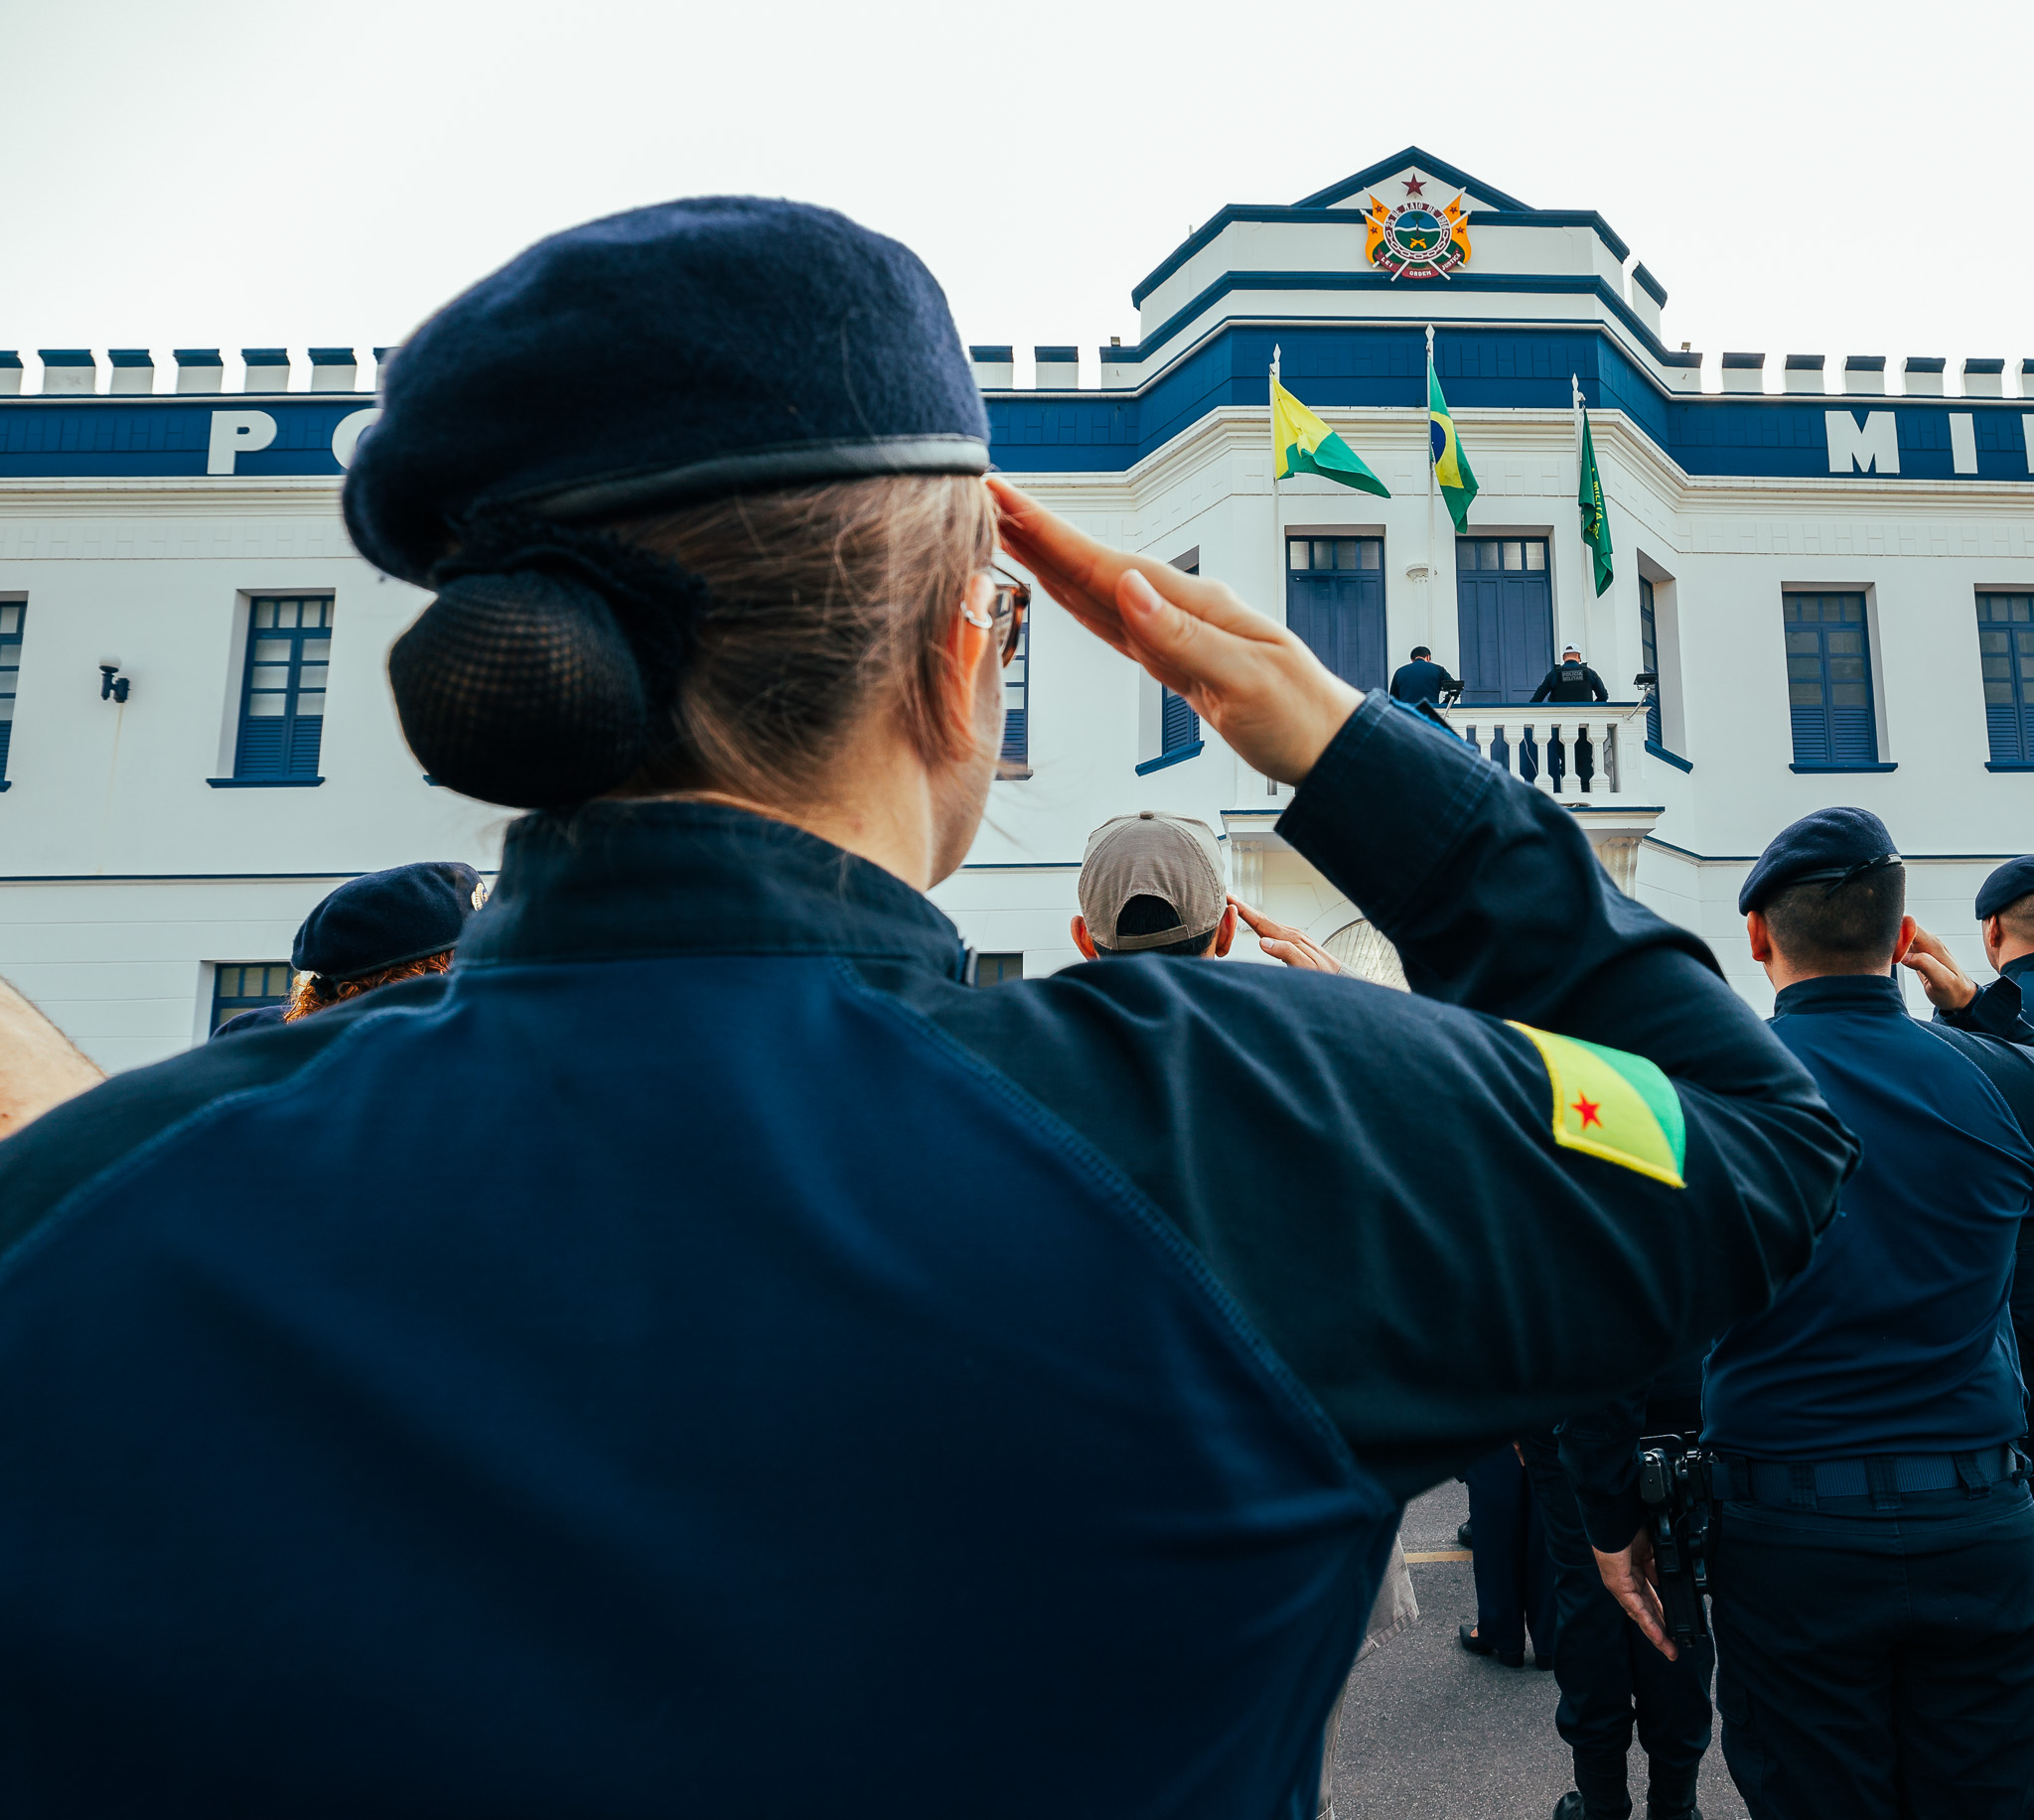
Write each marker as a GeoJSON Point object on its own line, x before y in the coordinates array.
{"type": "Point", "coordinates": [1432, 1732]}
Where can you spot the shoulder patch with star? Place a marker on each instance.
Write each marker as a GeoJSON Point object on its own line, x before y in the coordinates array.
{"type": "Point", "coordinates": [1614, 1105]}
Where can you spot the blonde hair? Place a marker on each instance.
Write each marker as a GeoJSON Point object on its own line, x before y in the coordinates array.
{"type": "Point", "coordinates": [827, 602]}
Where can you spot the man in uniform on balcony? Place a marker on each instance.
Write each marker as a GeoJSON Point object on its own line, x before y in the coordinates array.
{"type": "Point", "coordinates": [1422, 679]}
{"type": "Point", "coordinates": [1571, 680]}
{"type": "Point", "coordinates": [1874, 1578]}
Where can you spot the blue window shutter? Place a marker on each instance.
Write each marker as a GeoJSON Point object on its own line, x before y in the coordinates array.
{"type": "Point", "coordinates": [1336, 604]}
{"type": "Point", "coordinates": [1828, 679]}
{"type": "Point", "coordinates": [1178, 724]}
{"type": "Point", "coordinates": [283, 739]}
{"type": "Point", "coordinates": [13, 615]}
{"type": "Point", "coordinates": [1504, 613]}
{"type": "Point", "coordinates": [2005, 640]}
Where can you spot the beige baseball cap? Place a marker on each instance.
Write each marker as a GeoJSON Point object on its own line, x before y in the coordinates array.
{"type": "Point", "coordinates": [1149, 855]}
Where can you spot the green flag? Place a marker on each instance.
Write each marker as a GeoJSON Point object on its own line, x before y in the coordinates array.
{"type": "Point", "coordinates": [1451, 466]}
{"type": "Point", "coordinates": [1302, 444]}
{"type": "Point", "coordinates": [1595, 515]}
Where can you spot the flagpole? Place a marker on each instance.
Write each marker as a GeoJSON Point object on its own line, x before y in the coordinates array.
{"type": "Point", "coordinates": [1586, 570]}
{"type": "Point", "coordinates": [1432, 612]}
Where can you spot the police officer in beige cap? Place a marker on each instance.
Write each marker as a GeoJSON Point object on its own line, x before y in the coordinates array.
{"type": "Point", "coordinates": [1151, 883]}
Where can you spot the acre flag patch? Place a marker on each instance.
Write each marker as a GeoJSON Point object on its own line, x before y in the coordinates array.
{"type": "Point", "coordinates": [1456, 479]}
{"type": "Point", "coordinates": [1302, 444]}
{"type": "Point", "coordinates": [1614, 1105]}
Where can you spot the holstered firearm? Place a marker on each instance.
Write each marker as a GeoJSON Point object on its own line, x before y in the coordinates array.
{"type": "Point", "coordinates": [1676, 1483]}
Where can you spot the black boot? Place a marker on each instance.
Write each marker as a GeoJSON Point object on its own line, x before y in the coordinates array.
{"type": "Point", "coordinates": [1599, 1793]}
{"type": "Point", "coordinates": [1670, 1794]}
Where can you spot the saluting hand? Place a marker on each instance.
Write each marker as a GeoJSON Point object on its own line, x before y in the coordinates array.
{"type": "Point", "coordinates": [1250, 679]}
{"type": "Point", "coordinates": [1948, 986]}
{"type": "Point", "coordinates": [1284, 942]}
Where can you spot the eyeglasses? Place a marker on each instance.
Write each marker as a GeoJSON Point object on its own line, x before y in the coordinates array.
{"type": "Point", "coordinates": [1007, 617]}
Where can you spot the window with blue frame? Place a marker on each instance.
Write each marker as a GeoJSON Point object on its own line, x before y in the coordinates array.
{"type": "Point", "coordinates": [282, 693]}
{"type": "Point", "coordinates": [2005, 644]}
{"type": "Point", "coordinates": [1016, 752]}
{"type": "Point", "coordinates": [238, 986]}
{"type": "Point", "coordinates": [1178, 725]}
{"type": "Point", "coordinates": [1649, 658]}
{"type": "Point", "coordinates": [1504, 613]}
{"type": "Point", "coordinates": [12, 614]}
{"type": "Point", "coordinates": [1828, 679]}
{"type": "Point", "coordinates": [1334, 602]}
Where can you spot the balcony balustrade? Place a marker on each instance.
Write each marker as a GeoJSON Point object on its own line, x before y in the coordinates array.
{"type": "Point", "coordinates": [1577, 752]}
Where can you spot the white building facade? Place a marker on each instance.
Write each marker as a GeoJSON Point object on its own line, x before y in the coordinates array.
{"type": "Point", "coordinates": [1826, 561]}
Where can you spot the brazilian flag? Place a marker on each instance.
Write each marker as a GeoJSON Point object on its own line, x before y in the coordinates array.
{"type": "Point", "coordinates": [1451, 466]}
{"type": "Point", "coordinates": [1612, 1104]}
{"type": "Point", "coordinates": [1595, 514]}
{"type": "Point", "coordinates": [1302, 444]}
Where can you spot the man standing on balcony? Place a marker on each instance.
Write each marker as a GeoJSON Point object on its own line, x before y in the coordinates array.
{"type": "Point", "coordinates": [1874, 1578]}
{"type": "Point", "coordinates": [1422, 679]}
{"type": "Point", "coordinates": [1571, 680]}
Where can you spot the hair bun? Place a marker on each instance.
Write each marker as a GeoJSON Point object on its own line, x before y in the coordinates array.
{"type": "Point", "coordinates": [521, 688]}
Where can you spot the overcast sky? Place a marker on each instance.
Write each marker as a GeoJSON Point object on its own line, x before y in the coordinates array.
{"type": "Point", "coordinates": [1801, 178]}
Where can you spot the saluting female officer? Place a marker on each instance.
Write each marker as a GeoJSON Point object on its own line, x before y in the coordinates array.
{"type": "Point", "coordinates": [700, 1356]}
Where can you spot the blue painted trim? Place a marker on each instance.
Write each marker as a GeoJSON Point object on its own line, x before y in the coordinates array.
{"type": "Point", "coordinates": [1554, 217]}
{"type": "Point", "coordinates": [1864, 363]}
{"type": "Point", "coordinates": [265, 783]}
{"type": "Point", "coordinates": [333, 356]}
{"type": "Point", "coordinates": [1744, 362]}
{"type": "Point", "coordinates": [1558, 284]}
{"type": "Point", "coordinates": [2002, 765]}
{"type": "Point", "coordinates": [130, 357]}
{"type": "Point", "coordinates": [1921, 364]}
{"type": "Point", "coordinates": [1985, 366]}
{"type": "Point", "coordinates": [987, 354]}
{"type": "Point", "coordinates": [382, 354]}
{"type": "Point", "coordinates": [1390, 167]}
{"type": "Point", "coordinates": [1649, 284]}
{"type": "Point", "coordinates": [1675, 759]}
{"type": "Point", "coordinates": [197, 357]}
{"type": "Point", "coordinates": [265, 357]}
{"type": "Point", "coordinates": [9, 359]}
{"type": "Point", "coordinates": [1819, 769]}
{"type": "Point", "coordinates": [1803, 362]}
{"type": "Point", "coordinates": [1178, 755]}
{"type": "Point", "coordinates": [6, 783]}
{"type": "Point", "coordinates": [1059, 354]}
{"type": "Point", "coordinates": [66, 357]}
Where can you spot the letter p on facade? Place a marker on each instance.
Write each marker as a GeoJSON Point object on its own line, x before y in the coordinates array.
{"type": "Point", "coordinates": [237, 433]}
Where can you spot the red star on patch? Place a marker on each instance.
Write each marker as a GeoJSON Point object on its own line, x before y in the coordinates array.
{"type": "Point", "coordinates": [1414, 186]}
{"type": "Point", "coordinates": [1591, 1110]}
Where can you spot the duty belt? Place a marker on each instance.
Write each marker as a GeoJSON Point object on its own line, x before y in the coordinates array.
{"type": "Point", "coordinates": [1802, 1483]}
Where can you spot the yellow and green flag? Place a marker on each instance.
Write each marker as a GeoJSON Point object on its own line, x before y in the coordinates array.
{"type": "Point", "coordinates": [1302, 444]}
{"type": "Point", "coordinates": [1614, 1105]}
{"type": "Point", "coordinates": [1451, 466]}
{"type": "Point", "coordinates": [1595, 514]}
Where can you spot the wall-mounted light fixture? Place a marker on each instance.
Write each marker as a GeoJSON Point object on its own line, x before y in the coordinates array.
{"type": "Point", "coordinates": [112, 685]}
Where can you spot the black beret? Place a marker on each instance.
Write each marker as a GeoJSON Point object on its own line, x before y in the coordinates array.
{"type": "Point", "coordinates": [383, 918]}
{"type": "Point", "coordinates": [2006, 886]}
{"type": "Point", "coordinates": [689, 351]}
{"type": "Point", "coordinates": [241, 1022]}
{"type": "Point", "coordinates": [1831, 847]}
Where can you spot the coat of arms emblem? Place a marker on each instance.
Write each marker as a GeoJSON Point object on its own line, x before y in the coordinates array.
{"type": "Point", "coordinates": [1416, 239]}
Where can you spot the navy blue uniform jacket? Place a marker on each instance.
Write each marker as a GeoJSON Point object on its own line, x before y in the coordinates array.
{"type": "Point", "coordinates": [1420, 680]}
{"type": "Point", "coordinates": [702, 1357]}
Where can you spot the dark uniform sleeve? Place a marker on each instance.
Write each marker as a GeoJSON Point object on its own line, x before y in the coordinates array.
{"type": "Point", "coordinates": [1597, 688]}
{"type": "Point", "coordinates": [1397, 680]}
{"type": "Point", "coordinates": [1600, 1455]}
{"type": "Point", "coordinates": [1374, 1174]}
{"type": "Point", "coordinates": [1996, 1011]}
{"type": "Point", "coordinates": [1546, 684]}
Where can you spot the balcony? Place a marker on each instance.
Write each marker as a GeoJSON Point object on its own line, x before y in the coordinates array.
{"type": "Point", "coordinates": [1584, 754]}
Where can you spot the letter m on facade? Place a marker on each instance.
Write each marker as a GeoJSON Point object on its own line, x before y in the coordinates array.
{"type": "Point", "coordinates": [1873, 445]}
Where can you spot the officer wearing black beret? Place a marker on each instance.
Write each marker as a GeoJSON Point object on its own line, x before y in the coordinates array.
{"type": "Point", "coordinates": [1874, 1580]}
{"type": "Point", "coordinates": [2006, 924]}
{"type": "Point", "coordinates": [373, 931]}
{"type": "Point", "coordinates": [523, 1386]}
